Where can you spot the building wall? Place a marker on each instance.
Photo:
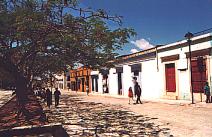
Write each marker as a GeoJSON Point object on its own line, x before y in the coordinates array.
{"type": "Point", "coordinates": [60, 81]}
{"type": "Point", "coordinates": [150, 82]}
{"type": "Point", "coordinates": [113, 82]}
{"type": "Point", "coordinates": [182, 76]}
{"type": "Point", "coordinates": [152, 77]}
{"type": "Point", "coordinates": [100, 85]}
{"type": "Point", "coordinates": [79, 79]}
{"type": "Point", "coordinates": [210, 72]}
{"type": "Point", "coordinates": [127, 80]}
{"type": "Point", "coordinates": [210, 69]}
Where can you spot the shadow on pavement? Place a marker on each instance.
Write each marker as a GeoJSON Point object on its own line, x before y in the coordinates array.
{"type": "Point", "coordinates": [81, 118]}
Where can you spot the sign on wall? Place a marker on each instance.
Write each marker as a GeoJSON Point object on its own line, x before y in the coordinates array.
{"type": "Point", "coordinates": [182, 62]}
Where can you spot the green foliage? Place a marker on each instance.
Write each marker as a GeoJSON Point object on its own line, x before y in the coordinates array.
{"type": "Point", "coordinates": [40, 37]}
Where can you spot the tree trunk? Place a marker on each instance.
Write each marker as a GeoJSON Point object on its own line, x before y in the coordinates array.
{"type": "Point", "coordinates": [20, 80]}
{"type": "Point", "coordinates": [21, 84]}
{"type": "Point", "coordinates": [21, 89]}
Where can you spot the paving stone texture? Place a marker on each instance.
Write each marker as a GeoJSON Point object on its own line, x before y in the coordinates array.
{"type": "Point", "coordinates": [5, 96]}
{"type": "Point", "coordinates": [86, 118]}
{"type": "Point", "coordinates": [95, 115]}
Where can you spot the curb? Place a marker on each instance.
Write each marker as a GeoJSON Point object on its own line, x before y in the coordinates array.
{"type": "Point", "coordinates": [55, 129]}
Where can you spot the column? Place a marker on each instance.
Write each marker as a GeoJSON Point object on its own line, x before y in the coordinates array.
{"type": "Point", "coordinates": [127, 79]}
{"type": "Point", "coordinates": [100, 88]}
{"type": "Point", "coordinates": [113, 82]}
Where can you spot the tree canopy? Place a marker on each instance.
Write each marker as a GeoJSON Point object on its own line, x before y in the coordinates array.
{"type": "Point", "coordinates": [39, 37]}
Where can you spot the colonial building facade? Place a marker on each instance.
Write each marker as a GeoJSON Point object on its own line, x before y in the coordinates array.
{"type": "Point", "coordinates": [78, 79]}
{"type": "Point", "coordinates": [162, 71]}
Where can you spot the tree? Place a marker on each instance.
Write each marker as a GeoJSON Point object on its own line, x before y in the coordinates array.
{"type": "Point", "coordinates": [39, 37]}
{"type": "Point", "coordinates": [6, 80]}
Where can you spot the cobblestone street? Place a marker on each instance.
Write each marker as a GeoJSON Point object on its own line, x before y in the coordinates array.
{"type": "Point", "coordinates": [86, 118]}
{"type": "Point", "coordinates": [86, 115]}
{"type": "Point", "coordinates": [183, 119]}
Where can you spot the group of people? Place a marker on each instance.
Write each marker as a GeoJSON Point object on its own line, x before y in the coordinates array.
{"type": "Point", "coordinates": [47, 96]}
{"type": "Point", "coordinates": [137, 93]}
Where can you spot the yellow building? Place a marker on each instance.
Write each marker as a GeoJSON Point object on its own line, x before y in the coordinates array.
{"type": "Point", "coordinates": [80, 78]}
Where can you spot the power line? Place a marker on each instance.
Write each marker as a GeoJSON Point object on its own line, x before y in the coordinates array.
{"type": "Point", "coordinates": [202, 32]}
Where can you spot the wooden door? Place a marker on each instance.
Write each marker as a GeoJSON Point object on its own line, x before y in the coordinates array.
{"type": "Point", "coordinates": [198, 74]}
{"type": "Point", "coordinates": [170, 77]}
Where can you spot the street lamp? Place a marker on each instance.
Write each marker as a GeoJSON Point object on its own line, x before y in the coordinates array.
{"type": "Point", "coordinates": [188, 36]}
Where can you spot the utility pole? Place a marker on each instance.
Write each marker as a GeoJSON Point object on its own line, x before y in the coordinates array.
{"type": "Point", "coordinates": [189, 35]}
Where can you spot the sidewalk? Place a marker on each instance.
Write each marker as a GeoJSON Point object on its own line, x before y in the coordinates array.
{"type": "Point", "coordinates": [164, 101]}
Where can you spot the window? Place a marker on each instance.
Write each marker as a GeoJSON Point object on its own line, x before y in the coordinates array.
{"type": "Point", "coordinates": [136, 73]}
{"type": "Point", "coordinates": [199, 74]}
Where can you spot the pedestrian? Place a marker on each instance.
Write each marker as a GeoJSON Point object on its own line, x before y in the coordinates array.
{"type": "Point", "coordinates": [39, 92]}
{"type": "Point", "coordinates": [130, 94]}
{"type": "Point", "coordinates": [207, 92]}
{"type": "Point", "coordinates": [137, 89]}
{"type": "Point", "coordinates": [57, 96]}
{"type": "Point", "coordinates": [43, 93]}
{"type": "Point", "coordinates": [48, 97]}
{"type": "Point", "coordinates": [87, 89]}
{"type": "Point", "coordinates": [35, 91]}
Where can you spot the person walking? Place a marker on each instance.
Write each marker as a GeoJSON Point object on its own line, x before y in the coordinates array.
{"type": "Point", "coordinates": [130, 94]}
{"type": "Point", "coordinates": [43, 94]}
{"type": "Point", "coordinates": [48, 97]}
{"type": "Point", "coordinates": [87, 90]}
{"type": "Point", "coordinates": [207, 92]}
{"type": "Point", "coordinates": [57, 97]}
{"type": "Point", "coordinates": [138, 93]}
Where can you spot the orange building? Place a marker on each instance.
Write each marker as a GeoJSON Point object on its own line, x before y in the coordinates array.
{"type": "Point", "coordinates": [80, 78]}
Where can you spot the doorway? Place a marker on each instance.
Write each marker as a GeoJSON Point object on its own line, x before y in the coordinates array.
{"type": "Point", "coordinates": [119, 83]}
{"type": "Point", "coordinates": [170, 77]}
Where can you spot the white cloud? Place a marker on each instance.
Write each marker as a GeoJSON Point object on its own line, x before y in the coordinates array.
{"type": "Point", "coordinates": [142, 44]}
{"type": "Point", "coordinates": [133, 50]}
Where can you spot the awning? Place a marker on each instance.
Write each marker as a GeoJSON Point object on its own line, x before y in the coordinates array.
{"type": "Point", "coordinates": [170, 58]}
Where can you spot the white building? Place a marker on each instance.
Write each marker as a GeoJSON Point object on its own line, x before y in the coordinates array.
{"type": "Point", "coordinates": [60, 81]}
{"type": "Point", "coordinates": [162, 72]}
{"type": "Point", "coordinates": [174, 68]}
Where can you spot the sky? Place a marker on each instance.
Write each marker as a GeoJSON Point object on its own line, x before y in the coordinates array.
{"type": "Point", "coordinates": [157, 21]}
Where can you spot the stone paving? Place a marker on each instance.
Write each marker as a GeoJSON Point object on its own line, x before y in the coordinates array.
{"type": "Point", "coordinates": [183, 118]}
{"type": "Point", "coordinates": [87, 118]}
{"type": "Point", "coordinates": [5, 96]}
